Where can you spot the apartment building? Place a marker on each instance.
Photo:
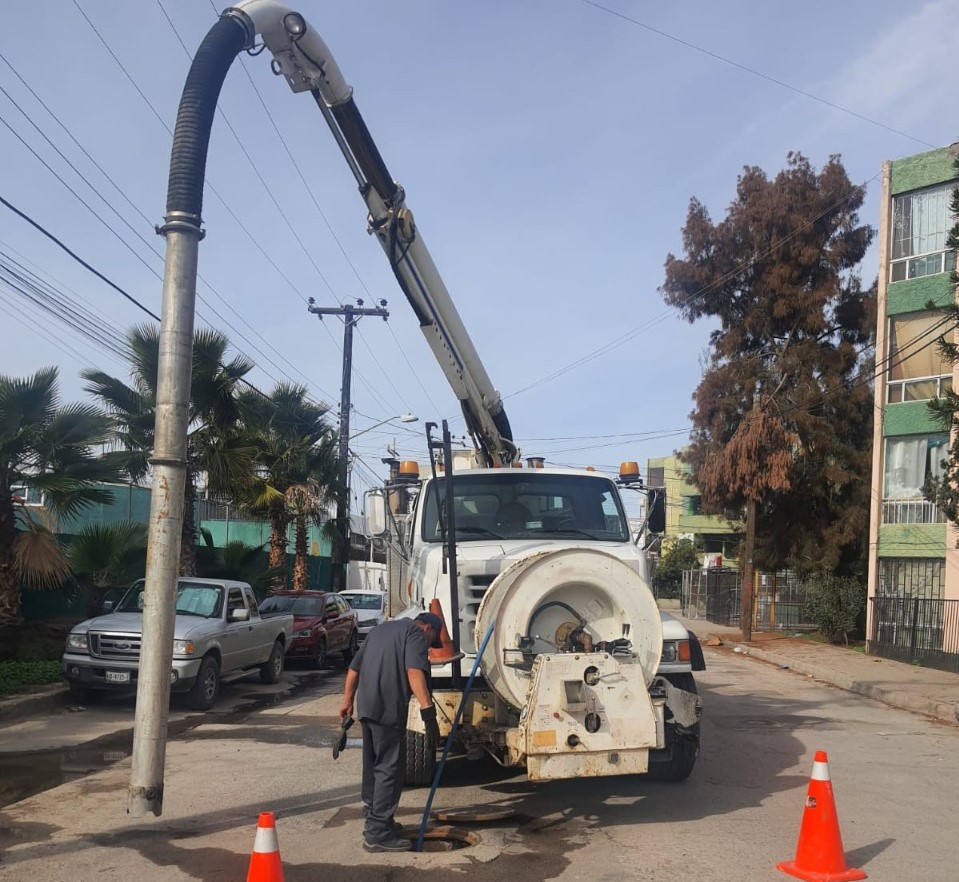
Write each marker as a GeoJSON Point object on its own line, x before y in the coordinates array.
{"type": "Point", "coordinates": [914, 562]}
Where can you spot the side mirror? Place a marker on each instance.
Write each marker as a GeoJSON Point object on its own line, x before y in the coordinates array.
{"type": "Point", "coordinates": [656, 507]}
{"type": "Point", "coordinates": [108, 605]}
{"type": "Point", "coordinates": [331, 615]}
{"type": "Point", "coordinates": [376, 518]}
{"type": "Point", "coordinates": [239, 615]}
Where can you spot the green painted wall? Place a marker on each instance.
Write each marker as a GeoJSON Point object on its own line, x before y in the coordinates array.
{"type": "Point", "coordinates": [909, 418]}
{"type": "Point", "coordinates": [912, 540]}
{"type": "Point", "coordinates": [922, 170]}
{"type": "Point", "coordinates": [707, 524]}
{"type": "Point", "coordinates": [912, 295]}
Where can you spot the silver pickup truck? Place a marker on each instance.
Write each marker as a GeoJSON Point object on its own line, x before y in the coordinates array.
{"type": "Point", "coordinates": [219, 635]}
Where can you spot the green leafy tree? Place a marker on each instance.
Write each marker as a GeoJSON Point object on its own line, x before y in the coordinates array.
{"type": "Point", "coordinates": [51, 449]}
{"type": "Point", "coordinates": [945, 491]}
{"type": "Point", "coordinates": [217, 449]}
{"type": "Point", "coordinates": [782, 424]}
{"type": "Point", "coordinates": [678, 557]}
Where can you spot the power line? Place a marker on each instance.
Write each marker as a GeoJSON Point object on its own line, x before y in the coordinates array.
{"type": "Point", "coordinates": [149, 246]}
{"type": "Point", "coordinates": [753, 72]}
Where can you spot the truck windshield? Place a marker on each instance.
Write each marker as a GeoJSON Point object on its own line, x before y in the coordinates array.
{"type": "Point", "coordinates": [192, 599]}
{"type": "Point", "coordinates": [527, 505]}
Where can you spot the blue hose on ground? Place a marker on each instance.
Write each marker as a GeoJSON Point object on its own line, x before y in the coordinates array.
{"type": "Point", "coordinates": [449, 739]}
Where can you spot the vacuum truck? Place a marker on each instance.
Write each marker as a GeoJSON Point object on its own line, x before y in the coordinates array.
{"type": "Point", "coordinates": [582, 675]}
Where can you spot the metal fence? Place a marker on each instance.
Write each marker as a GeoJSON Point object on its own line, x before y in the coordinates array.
{"type": "Point", "coordinates": [917, 630]}
{"type": "Point", "coordinates": [715, 594]}
{"type": "Point", "coordinates": [712, 594]}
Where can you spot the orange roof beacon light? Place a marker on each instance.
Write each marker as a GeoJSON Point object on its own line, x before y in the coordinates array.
{"type": "Point", "coordinates": [535, 462]}
{"type": "Point", "coordinates": [629, 473]}
{"type": "Point", "coordinates": [517, 465]}
{"type": "Point", "coordinates": [590, 468]}
{"type": "Point", "coordinates": [409, 471]}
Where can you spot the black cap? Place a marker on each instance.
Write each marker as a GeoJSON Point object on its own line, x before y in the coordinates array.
{"type": "Point", "coordinates": [436, 623]}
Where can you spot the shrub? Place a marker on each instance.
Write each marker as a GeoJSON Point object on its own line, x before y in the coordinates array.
{"type": "Point", "coordinates": [834, 603]}
{"type": "Point", "coordinates": [678, 557]}
{"type": "Point", "coordinates": [15, 676]}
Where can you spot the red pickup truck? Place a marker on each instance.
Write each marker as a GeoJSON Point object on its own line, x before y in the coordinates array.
{"type": "Point", "coordinates": [323, 623]}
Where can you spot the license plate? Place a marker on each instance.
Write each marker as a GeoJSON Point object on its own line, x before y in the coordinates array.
{"type": "Point", "coordinates": [118, 676]}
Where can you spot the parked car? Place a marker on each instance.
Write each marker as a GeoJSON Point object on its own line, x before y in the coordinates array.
{"type": "Point", "coordinates": [323, 623]}
{"type": "Point", "coordinates": [370, 606]}
{"type": "Point", "coordinates": [218, 635]}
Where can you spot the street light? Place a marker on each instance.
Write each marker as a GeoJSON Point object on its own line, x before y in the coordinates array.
{"type": "Point", "coordinates": [402, 417]}
{"type": "Point", "coordinates": [343, 506]}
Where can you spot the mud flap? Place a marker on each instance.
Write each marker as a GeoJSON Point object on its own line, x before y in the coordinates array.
{"type": "Point", "coordinates": [686, 707]}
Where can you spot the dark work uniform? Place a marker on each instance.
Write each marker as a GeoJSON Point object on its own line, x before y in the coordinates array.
{"type": "Point", "coordinates": [382, 703]}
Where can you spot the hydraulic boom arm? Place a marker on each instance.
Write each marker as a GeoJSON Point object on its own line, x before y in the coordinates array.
{"type": "Point", "coordinates": [302, 57]}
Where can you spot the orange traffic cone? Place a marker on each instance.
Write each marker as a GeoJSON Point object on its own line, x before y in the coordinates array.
{"type": "Point", "coordinates": [448, 653]}
{"type": "Point", "coordinates": [265, 863]}
{"type": "Point", "coordinates": [819, 855]}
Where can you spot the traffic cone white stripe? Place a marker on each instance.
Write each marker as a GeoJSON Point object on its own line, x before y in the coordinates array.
{"type": "Point", "coordinates": [265, 841]}
{"type": "Point", "coordinates": [820, 771]}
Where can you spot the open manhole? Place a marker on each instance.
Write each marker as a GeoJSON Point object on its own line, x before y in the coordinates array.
{"type": "Point", "coordinates": [472, 814]}
{"type": "Point", "coordinates": [443, 838]}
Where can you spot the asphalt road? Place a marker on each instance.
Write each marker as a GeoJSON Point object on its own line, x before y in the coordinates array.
{"type": "Point", "coordinates": [71, 743]}
{"type": "Point", "coordinates": [896, 777]}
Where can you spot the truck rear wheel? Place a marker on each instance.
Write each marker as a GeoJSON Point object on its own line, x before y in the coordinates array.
{"type": "Point", "coordinates": [677, 760]}
{"type": "Point", "coordinates": [272, 671]}
{"type": "Point", "coordinates": [205, 689]}
{"type": "Point", "coordinates": [420, 759]}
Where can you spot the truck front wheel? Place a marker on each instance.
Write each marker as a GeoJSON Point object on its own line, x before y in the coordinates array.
{"type": "Point", "coordinates": [205, 689]}
{"type": "Point", "coordinates": [420, 759]}
{"type": "Point", "coordinates": [272, 671]}
{"type": "Point", "coordinates": [676, 761]}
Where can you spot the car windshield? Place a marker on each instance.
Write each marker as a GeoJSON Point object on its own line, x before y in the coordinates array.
{"type": "Point", "coordinates": [289, 603]}
{"type": "Point", "coordinates": [192, 599]}
{"type": "Point", "coordinates": [364, 601]}
{"type": "Point", "coordinates": [525, 505]}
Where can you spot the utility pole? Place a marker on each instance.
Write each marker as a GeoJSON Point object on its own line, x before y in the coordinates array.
{"type": "Point", "coordinates": [351, 316]}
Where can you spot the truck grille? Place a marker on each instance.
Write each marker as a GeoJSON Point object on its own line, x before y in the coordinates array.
{"type": "Point", "coordinates": [113, 645]}
{"type": "Point", "coordinates": [476, 585]}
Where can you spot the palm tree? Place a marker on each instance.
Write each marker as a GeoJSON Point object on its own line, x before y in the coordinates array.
{"type": "Point", "coordinates": [216, 449]}
{"type": "Point", "coordinates": [234, 560]}
{"type": "Point", "coordinates": [107, 556]}
{"type": "Point", "coordinates": [51, 449]}
{"type": "Point", "coordinates": [295, 447]}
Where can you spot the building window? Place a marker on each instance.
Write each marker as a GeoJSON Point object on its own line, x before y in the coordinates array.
{"type": "Point", "coordinates": [692, 505]}
{"type": "Point", "coordinates": [920, 224]}
{"type": "Point", "coordinates": [917, 370]}
{"type": "Point", "coordinates": [910, 462]}
{"type": "Point", "coordinates": [656, 476]}
{"type": "Point", "coordinates": [910, 577]}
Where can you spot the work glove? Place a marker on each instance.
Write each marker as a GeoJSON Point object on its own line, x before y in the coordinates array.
{"type": "Point", "coordinates": [428, 716]}
{"type": "Point", "coordinates": [340, 745]}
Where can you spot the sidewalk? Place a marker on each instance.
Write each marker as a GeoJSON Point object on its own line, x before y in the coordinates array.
{"type": "Point", "coordinates": [921, 690]}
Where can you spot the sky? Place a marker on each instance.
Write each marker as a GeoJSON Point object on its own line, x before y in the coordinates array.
{"type": "Point", "coordinates": [548, 148]}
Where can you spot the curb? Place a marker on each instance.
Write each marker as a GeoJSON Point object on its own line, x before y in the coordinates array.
{"type": "Point", "coordinates": [943, 711]}
{"type": "Point", "coordinates": [16, 707]}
